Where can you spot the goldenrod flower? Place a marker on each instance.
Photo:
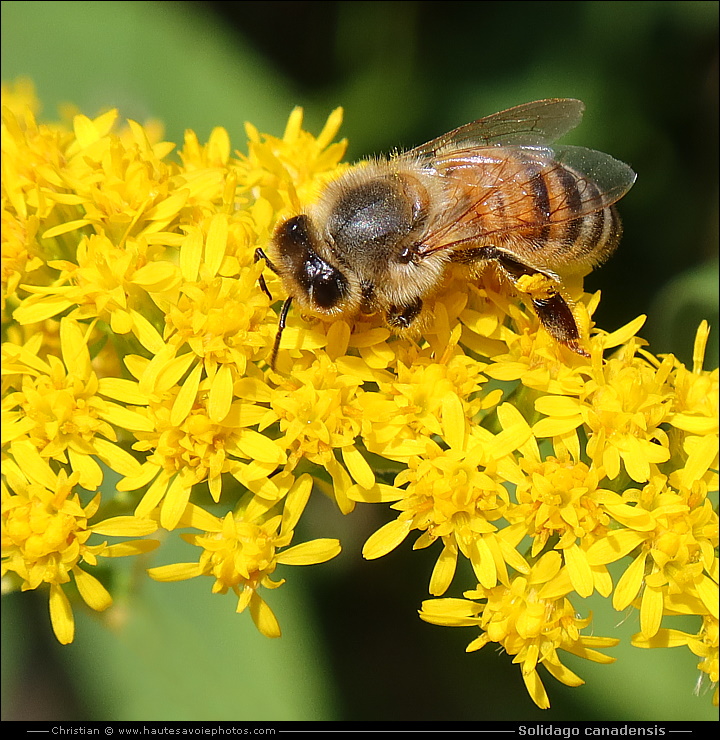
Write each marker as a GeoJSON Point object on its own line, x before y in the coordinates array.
{"type": "Point", "coordinates": [531, 619]}
{"type": "Point", "coordinates": [58, 408]}
{"type": "Point", "coordinates": [453, 495]}
{"type": "Point", "coordinates": [675, 536]}
{"type": "Point", "coordinates": [241, 553]}
{"type": "Point", "coordinates": [560, 503]}
{"type": "Point", "coordinates": [45, 533]}
{"type": "Point", "coordinates": [137, 338]}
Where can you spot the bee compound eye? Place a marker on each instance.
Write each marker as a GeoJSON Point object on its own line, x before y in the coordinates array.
{"type": "Point", "coordinates": [293, 234]}
{"type": "Point", "coordinates": [329, 290]}
{"type": "Point", "coordinates": [326, 285]}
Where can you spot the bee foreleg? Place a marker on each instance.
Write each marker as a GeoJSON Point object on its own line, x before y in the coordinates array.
{"type": "Point", "coordinates": [401, 317]}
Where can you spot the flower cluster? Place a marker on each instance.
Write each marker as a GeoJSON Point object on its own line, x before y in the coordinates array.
{"type": "Point", "coordinates": [137, 338]}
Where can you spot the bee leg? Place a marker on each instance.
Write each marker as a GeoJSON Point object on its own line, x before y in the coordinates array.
{"type": "Point", "coordinates": [552, 309]}
{"type": "Point", "coordinates": [260, 255]}
{"type": "Point", "coordinates": [558, 320]}
{"type": "Point", "coordinates": [281, 326]}
{"type": "Point", "coordinates": [400, 317]}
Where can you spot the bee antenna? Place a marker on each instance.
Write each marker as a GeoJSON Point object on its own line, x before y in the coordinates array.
{"type": "Point", "coordinates": [281, 325]}
{"type": "Point", "coordinates": [260, 255]}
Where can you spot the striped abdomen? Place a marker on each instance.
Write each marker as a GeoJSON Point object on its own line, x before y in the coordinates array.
{"type": "Point", "coordinates": [540, 209]}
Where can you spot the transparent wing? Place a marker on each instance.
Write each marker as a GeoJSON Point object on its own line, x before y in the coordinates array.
{"type": "Point", "coordinates": [530, 124]}
{"type": "Point", "coordinates": [537, 187]}
{"type": "Point", "coordinates": [611, 177]}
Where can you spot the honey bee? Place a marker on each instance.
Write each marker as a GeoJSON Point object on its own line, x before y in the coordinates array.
{"type": "Point", "coordinates": [381, 237]}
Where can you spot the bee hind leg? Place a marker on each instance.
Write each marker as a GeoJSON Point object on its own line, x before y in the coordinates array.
{"type": "Point", "coordinates": [557, 318]}
{"type": "Point", "coordinates": [551, 308]}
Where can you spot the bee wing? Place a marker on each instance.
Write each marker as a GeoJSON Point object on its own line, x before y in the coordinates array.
{"type": "Point", "coordinates": [611, 177]}
{"type": "Point", "coordinates": [531, 124]}
{"type": "Point", "coordinates": [583, 181]}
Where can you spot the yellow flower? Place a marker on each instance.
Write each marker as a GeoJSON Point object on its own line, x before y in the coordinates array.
{"type": "Point", "coordinates": [58, 409]}
{"type": "Point", "coordinates": [456, 495]}
{"type": "Point", "coordinates": [622, 406]}
{"type": "Point", "coordinates": [138, 336]}
{"type": "Point", "coordinates": [317, 410]}
{"type": "Point", "coordinates": [560, 504]}
{"type": "Point", "coordinates": [531, 619]}
{"type": "Point", "coordinates": [45, 533]}
{"type": "Point", "coordinates": [675, 537]}
{"type": "Point", "coordinates": [242, 551]}
{"type": "Point", "coordinates": [186, 446]}
{"type": "Point", "coordinates": [423, 398]}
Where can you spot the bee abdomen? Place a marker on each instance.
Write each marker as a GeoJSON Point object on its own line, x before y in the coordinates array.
{"type": "Point", "coordinates": [590, 238]}
{"type": "Point", "coordinates": [569, 229]}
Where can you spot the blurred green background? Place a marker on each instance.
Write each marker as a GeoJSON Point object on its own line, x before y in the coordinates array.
{"type": "Point", "coordinates": [353, 647]}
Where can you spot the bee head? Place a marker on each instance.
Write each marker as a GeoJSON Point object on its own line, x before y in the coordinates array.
{"type": "Point", "coordinates": [317, 284]}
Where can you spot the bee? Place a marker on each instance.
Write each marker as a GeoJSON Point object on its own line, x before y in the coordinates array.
{"type": "Point", "coordinates": [381, 238]}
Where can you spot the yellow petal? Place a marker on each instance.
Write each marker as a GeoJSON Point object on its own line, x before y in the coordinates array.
{"type": "Point", "coordinates": [651, 611]}
{"type": "Point", "coordinates": [563, 674]}
{"type": "Point", "coordinates": [125, 526]}
{"type": "Point", "coordinates": [535, 688]}
{"type": "Point", "coordinates": [708, 592]}
{"type": "Point", "coordinates": [191, 253]}
{"type": "Point", "coordinates": [116, 458]}
{"type": "Point", "coordinates": [175, 572]}
{"type": "Point", "coordinates": [61, 616]}
{"type": "Point", "coordinates": [146, 333]}
{"type": "Point", "coordinates": [131, 547]}
{"type": "Point", "coordinates": [263, 617]}
{"type": "Point", "coordinates": [37, 311]}
{"type": "Point", "coordinates": [579, 570]}
{"type": "Point", "coordinates": [386, 539]}
{"type": "Point", "coordinates": [32, 465]}
{"type": "Point", "coordinates": [309, 553]}
{"type": "Point", "coordinates": [94, 594]}
{"type": "Point", "coordinates": [216, 242]}
{"type": "Point", "coordinates": [125, 418]}
{"type": "Point", "coordinates": [614, 546]}
{"type": "Point", "coordinates": [221, 394]}
{"type": "Point", "coordinates": [185, 399]}
{"type": "Point", "coordinates": [358, 466]}
{"type": "Point", "coordinates": [175, 501]}
{"type": "Point", "coordinates": [453, 421]}
{"type": "Point", "coordinates": [65, 228]}
{"type": "Point", "coordinates": [380, 493]}
{"type": "Point", "coordinates": [662, 638]}
{"type": "Point", "coordinates": [296, 501]}
{"type": "Point", "coordinates": [629, 583]}
{"type": "Point", "coordinates": [91, 474]}
{"type": "Point", "coordinates": [156, 276]}
{"type": "Point", "coordinates": [168, 208]}
{"type": "Point", "coordinates": [621, 335]}
{"type": "Point", "coordinates": [74, 349]}
{"type": "Point", "coordinates": [444, 571]}
{"type": "Point", "coordinates": [258, 447]}
{"type": "Point", "coordinates": [122, 390]}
